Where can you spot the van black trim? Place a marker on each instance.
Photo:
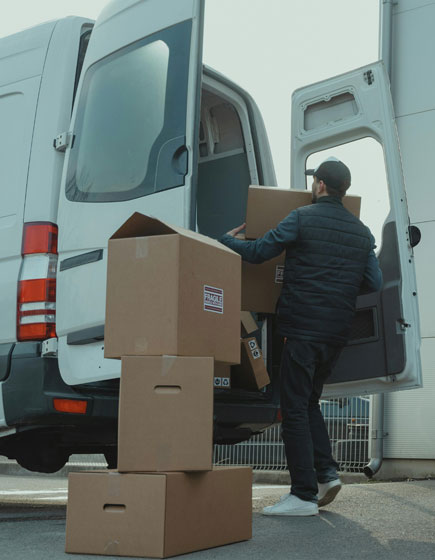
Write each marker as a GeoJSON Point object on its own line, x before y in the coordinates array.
{"type": "Point", "coordinates": [85, 258]}
{"type": "Point", "coordinates": [5, 359]}
{"type": "Point", "coordinates": [85, 336]}
{"type": "Point", "coordinates": [32, 384]}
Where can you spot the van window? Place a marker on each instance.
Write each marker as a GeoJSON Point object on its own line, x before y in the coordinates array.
{"type": "Point", "coordinates": [132, 104]}
{"type": "Point", "coordinates": [365, 159]}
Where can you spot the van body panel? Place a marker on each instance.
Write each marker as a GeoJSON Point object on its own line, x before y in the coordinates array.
{"type": "Point", "coordinates": [22, 55]}
{"type": "Point", "coordinates": [412, 43]}
{"type": "Point", "coordinates": [17, 110]}
{"type": "Point", "coordinates": [37, 69]}
{"type": "Point", "coordinates": [342, 109]}
{"type": "Point", "coordinates": [53, 115]}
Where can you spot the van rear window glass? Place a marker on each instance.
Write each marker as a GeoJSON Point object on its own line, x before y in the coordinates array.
{"type": "Point", "coordinates": [132, 108]}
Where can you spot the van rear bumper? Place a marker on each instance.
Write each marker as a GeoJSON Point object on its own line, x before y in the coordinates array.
{"type": "Point", "coordinates": [31, 384]}
{"type": "Point", "coordinates": [33, 381]}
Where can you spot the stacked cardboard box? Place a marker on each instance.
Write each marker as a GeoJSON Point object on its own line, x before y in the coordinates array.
{"type": "Point", "coordinates": [172, 313]}
{"type": "Point", "coordinates": [267, 206]}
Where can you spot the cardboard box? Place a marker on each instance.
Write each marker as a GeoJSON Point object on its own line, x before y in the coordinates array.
{"type": "Point", "coordinates": [249, 324]}
{"type": "Point", "coordinates": [171, 291]}
{"type": "Point", "coordinates": [261, 285]}
{"type": "Point", "coordinates": [267, 206]}
{"type": "Point", "coordinates": [251, 374]}
{"type": "Point", "coordinates": [157, 514]}
{"type": "Point", "coordinates": [165, 414]}
{"type": "Point", "coordinates": [222, 376]}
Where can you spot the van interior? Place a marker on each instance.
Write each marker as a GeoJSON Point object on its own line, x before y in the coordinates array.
{"type": "Point", "coordinates": [223, 170]}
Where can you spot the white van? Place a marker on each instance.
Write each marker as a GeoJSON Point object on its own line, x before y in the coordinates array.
{"type": "Point", "coordinates": [103, 119]}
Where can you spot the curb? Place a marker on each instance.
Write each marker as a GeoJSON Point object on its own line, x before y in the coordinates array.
{"type": "Point", "coordinates": [282, 478]}
{"type": "Point", "coordinates": [12, 468]}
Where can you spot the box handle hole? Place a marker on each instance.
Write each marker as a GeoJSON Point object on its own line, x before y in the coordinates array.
{"type": "Point", "coordinates": [120, 508]}
{"type": "Point", "coordinates": [167, 389]}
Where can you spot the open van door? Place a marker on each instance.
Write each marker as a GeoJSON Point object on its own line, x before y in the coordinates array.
{"type": "Point", "coordinates": [132, 147]}
{"type": "Point", "coordinates": [383, 353]}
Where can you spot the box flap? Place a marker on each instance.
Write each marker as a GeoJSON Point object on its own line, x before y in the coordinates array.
{"type": "Point", "coordinates": [139, 225]}
{"type": "Point", "coordinates": [248, 322]}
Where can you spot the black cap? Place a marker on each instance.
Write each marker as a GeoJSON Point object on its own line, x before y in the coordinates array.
{"type": "Point", "coordinates": [333, 173]}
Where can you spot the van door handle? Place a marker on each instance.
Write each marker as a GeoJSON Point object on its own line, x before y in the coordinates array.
{"type": "Point", "coordinates": [414, 235]}
{"type": "Point", "coordinates": [171, 164]}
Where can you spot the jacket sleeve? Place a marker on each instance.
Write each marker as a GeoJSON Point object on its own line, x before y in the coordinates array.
{"type": "Point", "coordinates": [372, 279]}
{"type": "Point", "coordinates": [272, 244]}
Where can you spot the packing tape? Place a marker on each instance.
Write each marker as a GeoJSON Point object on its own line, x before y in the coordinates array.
{"type": "Point", "coordinates": [140, 345]}
{"type": "Point", "coordinates": [111, 548]}
{"type": "Point", "coordinates": [141, 248]}
{"type": "Point", "coordinates": [168, 363]}
{"type": "Point", "coordinates": [114, 482]}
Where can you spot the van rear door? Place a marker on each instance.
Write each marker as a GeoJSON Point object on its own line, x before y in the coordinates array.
{"type": "Point", "coordinates": [384, 351]}
{"type": "Point", "coordinates": [133, 148]}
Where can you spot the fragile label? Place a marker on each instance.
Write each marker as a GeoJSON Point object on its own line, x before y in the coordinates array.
{"type": "Point", "coordinates": [255, 351]}
{"type": "Point", "coordinates": [279, 274]}
{"type": "Point", "coordinates": [213, 299]}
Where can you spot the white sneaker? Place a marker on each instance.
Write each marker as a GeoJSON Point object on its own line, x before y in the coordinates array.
{"type": "Point", "coordinates": [291, 505]}
{"type": "Point", "coordinates": [328, 491]}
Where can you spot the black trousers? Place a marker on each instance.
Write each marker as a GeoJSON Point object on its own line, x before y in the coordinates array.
{"type": "Point", "coordinates": [305, 366]}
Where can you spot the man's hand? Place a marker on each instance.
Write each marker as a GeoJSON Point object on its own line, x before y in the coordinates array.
{"type": "Point", "coordinates": [236, 230]}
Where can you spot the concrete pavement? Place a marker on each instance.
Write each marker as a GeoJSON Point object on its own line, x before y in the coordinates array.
{"type": "Point", "coordinates": [381, 521]}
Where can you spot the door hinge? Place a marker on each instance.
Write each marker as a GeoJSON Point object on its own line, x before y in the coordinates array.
{"type": "Point", "coordinates": [49, 348]}
{"type": "Point", "coordinates": [402, 325]}
{"type": "Point", "coordinates": [61, 142]}
{"type": "Point", "coordinates": [369, 77]}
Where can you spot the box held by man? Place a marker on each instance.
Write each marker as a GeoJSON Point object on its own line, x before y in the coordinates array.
{"type": "Point", "coordinates": [268, 206]}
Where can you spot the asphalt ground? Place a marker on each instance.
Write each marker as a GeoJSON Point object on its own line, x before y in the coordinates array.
{"type": "Point", "coordinates": [373, 521]}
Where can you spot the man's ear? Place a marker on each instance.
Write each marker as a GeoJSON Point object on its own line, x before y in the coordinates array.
{"type": "Point", "coordinates": [322, 187]}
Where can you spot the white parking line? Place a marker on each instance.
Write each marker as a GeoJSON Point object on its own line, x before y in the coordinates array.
{"type": "Point", "coordinates": [52, 498]}
{"type": "Point", "coordinates": [28, 492]}
{"type": "Point", "coordinates": [271, 486]}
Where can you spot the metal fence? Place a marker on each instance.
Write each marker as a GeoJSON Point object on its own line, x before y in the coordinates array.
{"type": "Point", "coordinates": [347, 420]}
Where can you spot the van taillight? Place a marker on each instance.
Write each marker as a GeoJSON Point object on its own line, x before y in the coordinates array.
{"type": "Point", "coordinates": [36, 309]}
{"type": "Point", "coordinates": [39, 237]}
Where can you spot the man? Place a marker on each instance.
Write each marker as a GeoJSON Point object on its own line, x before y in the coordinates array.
{"type": "Point", "coordinates": [330, 259]}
